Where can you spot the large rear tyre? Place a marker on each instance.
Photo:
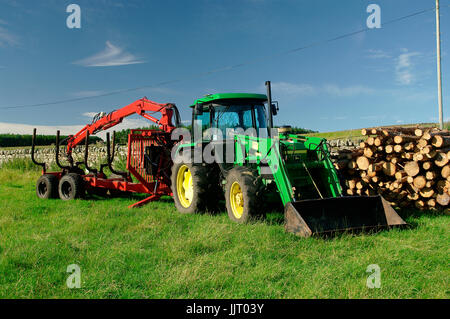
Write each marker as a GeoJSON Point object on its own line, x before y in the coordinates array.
{"type": "Point", "coordinates": [242, 194]}
{"type": "Point", "coordinates": [189, 183]}
{"type": "Point", "coordinates": [47, 186]}
{"type": "Point", "coordinates": [71, 186]}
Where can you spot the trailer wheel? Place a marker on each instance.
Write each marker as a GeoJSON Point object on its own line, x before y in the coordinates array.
{"type": "Point", "coordinates": [47, 186]}
{"type": "Point", "coordinates": [242, 194]}
{"type": "Point", "coordinates": [71, 186]}
{"type": "Point", "coordinates": [189, 183]}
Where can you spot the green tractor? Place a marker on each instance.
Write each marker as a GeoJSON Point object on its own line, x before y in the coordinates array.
{"type": "Point", "coordinates": [234, 152]}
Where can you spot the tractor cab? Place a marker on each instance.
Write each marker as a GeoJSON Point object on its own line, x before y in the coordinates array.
{"type": "Point", "coordinates": [220, 116]}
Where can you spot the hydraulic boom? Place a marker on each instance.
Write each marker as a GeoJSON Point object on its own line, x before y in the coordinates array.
{"type": "Point", "coordinates": [104, 121]}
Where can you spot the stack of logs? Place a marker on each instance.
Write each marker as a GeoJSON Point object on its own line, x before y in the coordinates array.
{"type": "Point", "coordinates": [408, 166]}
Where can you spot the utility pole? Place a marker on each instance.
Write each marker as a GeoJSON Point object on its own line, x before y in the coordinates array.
{"type": "Point", "coordinates": [439, 74]}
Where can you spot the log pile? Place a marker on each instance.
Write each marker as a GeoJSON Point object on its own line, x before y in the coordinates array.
{"type": "Point", "coordinates": [408, 166]}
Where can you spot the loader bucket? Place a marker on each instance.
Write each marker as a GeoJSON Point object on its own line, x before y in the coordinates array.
{"type": "Point", "coordinates": [341, 214]}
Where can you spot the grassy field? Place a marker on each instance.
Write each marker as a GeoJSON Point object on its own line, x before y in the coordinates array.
{"type": "Point", "coordinates": [155, 252]}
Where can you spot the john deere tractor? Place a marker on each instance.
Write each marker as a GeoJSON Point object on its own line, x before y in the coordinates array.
{"type": "Point", "coordinates": [235, 153]}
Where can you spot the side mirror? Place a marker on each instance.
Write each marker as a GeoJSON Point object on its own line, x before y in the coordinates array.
{"type": "Point", "coordinates": [198, 110]}
{"type": "Point", "coordinates": [274, 108]}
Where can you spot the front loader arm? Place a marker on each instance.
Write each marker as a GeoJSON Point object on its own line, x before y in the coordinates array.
{"type": "Point", "coordinates": [138, 107]}
{"type": "Point", "coordinates": [269, 153]}
{"type": "Point", "coordinates": [319, 145]}
{"type": "Point", "coordinates": [265, 151]}
{"type": "Point", "coordinates": [280, 175]}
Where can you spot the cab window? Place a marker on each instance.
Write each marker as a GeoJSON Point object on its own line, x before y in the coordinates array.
{"type": "Point", "coordinates": [204, 120]}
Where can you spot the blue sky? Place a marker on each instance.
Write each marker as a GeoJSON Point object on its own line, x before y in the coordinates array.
{"type": "Point", "coordinates": [381, 77]}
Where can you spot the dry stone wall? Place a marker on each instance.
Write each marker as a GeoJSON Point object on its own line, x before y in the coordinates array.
{"type": "Point", "coordinates": [97, 154]}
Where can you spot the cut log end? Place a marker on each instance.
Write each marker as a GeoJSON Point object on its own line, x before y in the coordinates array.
{"type": "Point", "coordinates": [412, 168]}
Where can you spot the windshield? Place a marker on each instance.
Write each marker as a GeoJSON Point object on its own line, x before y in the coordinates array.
{"type": "Point", "coordinates": [224, 119]}
{"type": "Point", "coordinates": [239, 116]}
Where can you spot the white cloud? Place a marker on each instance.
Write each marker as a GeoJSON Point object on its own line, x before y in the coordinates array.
{"type": "Point", "coordinates": [90, 114]}
{"type": "Point", "coordinates": [18, 128]}
{"type": "Point", "coordinates": [7, 38]}
{"type": "Point", "coordinates": [404, 67]}
{"type": "Point", "coordinates": [377, 54]}
{"type": "Point", "coordinates": [111, 56]}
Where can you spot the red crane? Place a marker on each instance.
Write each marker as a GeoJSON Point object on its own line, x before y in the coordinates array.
{"type": "Point", "coordinates": [115, 117]}
{"type": "Point", "coordinates": [148, 157]}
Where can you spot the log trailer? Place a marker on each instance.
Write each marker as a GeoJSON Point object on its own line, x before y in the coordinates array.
{"type": "Point", "coordinates": [285, 168]}
{"type": "Point", "coordinates": [148, 157]}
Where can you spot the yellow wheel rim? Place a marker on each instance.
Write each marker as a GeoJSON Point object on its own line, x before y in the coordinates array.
{"type": "Point", "coordinates": [185, 186]}
{"type": "Point", "coordinates": [237, 200]}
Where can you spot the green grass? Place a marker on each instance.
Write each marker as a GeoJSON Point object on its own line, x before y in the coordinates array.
{"type": "Point", "coordinates": [155, 252]}
{"type": "Point", "coordinates": [20, 164]}
{"type": "Point", "coordinates": [338, 134]}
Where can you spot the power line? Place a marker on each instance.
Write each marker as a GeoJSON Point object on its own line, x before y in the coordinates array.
{"type": "Point", "coordinates": [222, 69]}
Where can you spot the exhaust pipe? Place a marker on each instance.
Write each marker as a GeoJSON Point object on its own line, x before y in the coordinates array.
{"type": "Point", "coordinates": [269, 106]}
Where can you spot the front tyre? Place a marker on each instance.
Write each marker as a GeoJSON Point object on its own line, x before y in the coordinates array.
{"type": "Point", "coordinates": [242, 191]}
{"type": "Point", "coordinates": [189, 183]}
